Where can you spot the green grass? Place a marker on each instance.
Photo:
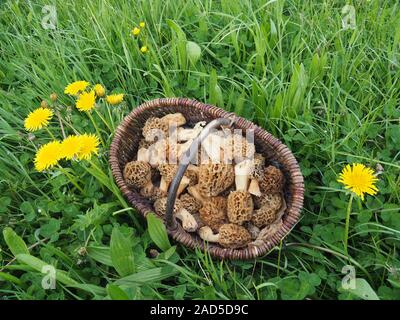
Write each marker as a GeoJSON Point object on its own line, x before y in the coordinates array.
{"type": "Point", "coordinates": [331, 95]}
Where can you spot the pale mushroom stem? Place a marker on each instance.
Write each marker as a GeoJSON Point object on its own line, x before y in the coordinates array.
{"type": "Point", "coordinates": [164, 184]}
{"type": "Point", "coordinates": [242, 175]}
{"type": "Point", "coordinates": [143, 155]}
{"type": "Point", "coordinates": [254, 188]}
{"type": "Point", "coordinates": [207, 234]}
{"type": "Point", "coordinates": [195, 193]}
{"type": "Point", "coordinates": [184, 183]}
{"type": "Point", "coordinates": [189, 223]}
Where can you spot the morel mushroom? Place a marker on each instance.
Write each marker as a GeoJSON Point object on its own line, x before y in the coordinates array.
{"type": "Point", "coordinates": [194, 192]}
{"type": "Point", "coordinates": [189, 223]}
{"type": "Point", "coordinates": [272, 180]}
{"type": "Point", "coordinates": [182, 185]}
{"type": "Point", "coordinates": [264, 216]}
{"type": "Point", "coordinates": [233, 236]}
{"type": "Point", "coordinates": [240, 207]}
{"type": "Point", "coordinates": [167, 172]}
{"type": "Point", "coordinates": [213, 212]}
{"type": "Point", "coordinates": [137, 174]}
{"type": "Point", "coordinates": [190, 203]}
{"type": "Point", "coordinates": [230, 235]}
{"type": "Point", "coordinates": [155, 129]}
{"type": "Point", "coordinates": [257, 174]}
{"type": "Point", "coordinates": [207, 234]}
{"type": "Point", "coordinates": [272, 199]}
{"type": "Point", "coordinates": [243, 171]}
{"type": "Point", "coordinates": [192, 172]}
{"type": "Point", "coordinates": [215, 178]}
{"type": "Point", "coordinates": [174, 119]}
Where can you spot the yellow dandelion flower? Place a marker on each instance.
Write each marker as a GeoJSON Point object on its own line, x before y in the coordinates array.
{"type": "Point", "coordinates": [358, 179]}
{"type": "Point", "coordinates": [48, 155]}
{"type": "Point", "coordinates": [144, 49]}
{"type": "Point", "coordinates": [135, 31]}
{"type": "Point", "coordinates": [89, 145]}
{"type": "Point", "coordinates": [115, 98]}
{"type": "Point", "coordinates": [86, 101]}
{"type": "Point", "coordinates": [38, 119]}
{"type": "Point", "coordinates": [75, 87]}
{"type": "Point", "coordinates": [70, 147]}
{"type": "Point", "coordinates": [99, 90]}
{"type": "Point", "coordinates": [142, 24]}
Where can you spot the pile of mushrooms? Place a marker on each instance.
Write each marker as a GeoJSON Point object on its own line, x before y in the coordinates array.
{"type": "Point", "coordinates": [229, 194]}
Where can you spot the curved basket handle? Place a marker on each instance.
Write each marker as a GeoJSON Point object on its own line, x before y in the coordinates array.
{"type": "Point", "coordinates": [185, 160]}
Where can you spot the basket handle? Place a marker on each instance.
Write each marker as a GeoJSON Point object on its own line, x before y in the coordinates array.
{"type": "Point", "coordinates": [185, 160]}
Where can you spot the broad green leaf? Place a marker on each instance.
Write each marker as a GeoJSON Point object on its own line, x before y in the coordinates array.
{"type": "Point", "coordinates": [158, 232]}
{"type": "Point", "coordinates": [193, 51]}
{"type": "Point", "coordinates": [8, 277]}
{"type": "Point", "coordinates": [363, 290]}
{"type": "Point", "coordinates": [39, 265]}
{"type": "Point", "coordinates": [116, 293]}
{"type": "Point", "coordinates": [215, 92]}
{"type": "Point", "coordinates": [98, 292]}
{"type": "Point", "coordinates": [100, 254]}
{"type": "Point", "coordinates": [121, 253]}
{"type": "Point", "coordinates": [150, 276]}
{"type": "Point", "coordinates": [15, 243]}
{"type": "Point", "coordinates": [180, 41]}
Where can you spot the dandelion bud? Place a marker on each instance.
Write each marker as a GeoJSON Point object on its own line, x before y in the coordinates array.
{"type": "Point", "coordinates": [44, 104]}
{"type": "Point", "coordinates": [99, 90]}
{"type": "Point", "coordinates": [53, 97]}
{"type": "Point", "coordinates": [142, 24]}
{"type": "Point", "coordinates": [143, 49]}
{"type": "Point", "coordinates": [82, 251]}
{"type": "Point", "coordinates": [31, 136]}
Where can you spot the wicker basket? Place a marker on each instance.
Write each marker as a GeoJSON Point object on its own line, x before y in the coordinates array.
{"type": "Point", "coordinates": [124, 147]}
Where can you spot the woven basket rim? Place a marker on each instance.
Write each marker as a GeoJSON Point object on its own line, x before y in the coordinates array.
{"type": "Point", "coordinates": [292, 213]}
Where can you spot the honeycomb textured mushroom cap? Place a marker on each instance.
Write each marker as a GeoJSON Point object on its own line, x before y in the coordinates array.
{"type": "Point", "coordinates": [167, 170]}
{"type": "Point", "coordinates": [155, 128]}
{"type": "Point", "coordinates": [147, 191]}
{"type": "Point", "coordinates": [213, 213]}
{"type": "Point", "coordinates": [258, 167]}
{"type": "Point", "coordinates": [272, 181]}
{"type": "Point", "coordinates": [233, 236]}
{"type": "Point", "coordinates": [157, 194]}
{"type": "Point", "coordinates": [240, 207]}
{"type": "Point", "coordinates": [137, 174]}
{"type": "Point", "coordinates": [264, 216]}
{"type": "Point", "coordinates": [160, 205]}
{"type": "Point", "coordinates": [220, 202]}
{"type": "Point", "coordinates": [192, 174]}
{"type": "Point", "coordinates": [190, 203]}
{"type": "Point", "coordinates": [215, 178]}
{"type": "Point", "coordinates": [273, 200]}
